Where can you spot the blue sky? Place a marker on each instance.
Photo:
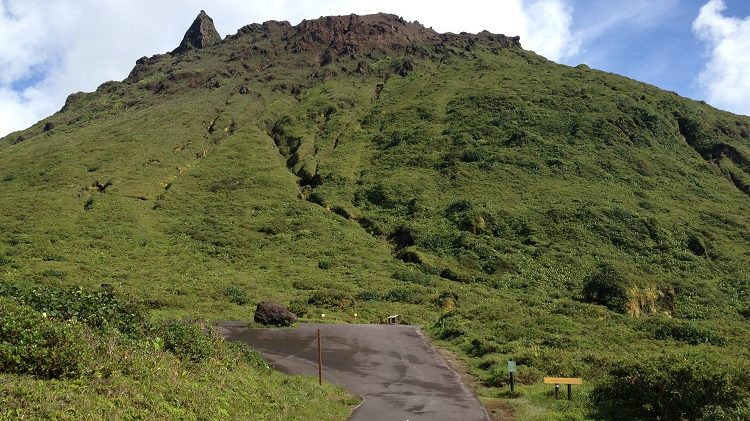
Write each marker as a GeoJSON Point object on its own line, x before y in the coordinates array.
{"type": "Point", "coordinates": [698, 48]}
{"type": "Point", "coordinates": [659, 48]}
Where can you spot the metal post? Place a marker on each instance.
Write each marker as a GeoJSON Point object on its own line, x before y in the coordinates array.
{"type": "Point", "coordinates": [320, 362]}
{"type": "Point", "coordinates": [557, 391]}
{"type": "Point", "coordinates": [512, 383]}
{"type": "Point", "coordinates": [570, 393]}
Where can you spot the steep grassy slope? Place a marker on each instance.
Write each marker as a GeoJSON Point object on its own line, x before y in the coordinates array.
{"type": "Point", "coordinates": [567, 218]}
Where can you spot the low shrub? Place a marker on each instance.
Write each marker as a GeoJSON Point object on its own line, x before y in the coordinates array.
{"type": "Point", "coordinates": [188, 341]}
{"type": "Point", "coordinates": [32, 343]}
{"type": "Point", "coordinates": [236, 295]}
{"type": "Point", "coordinates": [450, 326]}
{"type": "Point", "coordinates": [405, 295]}
{"type": "Point", "coordinates": [607, 287]}
{"type": "Point", "coordinates": [528, 375]}
{"type": "Point", "coordinates": [331, 299]}
{"type": "Point", "coordinates": [98, 309]}
{"type": "Point", "coordinates": [479, 347]}
{"type": "Point", "coordinates": [690, 386]}
{"type": "Point", "coordinates": [414, 277]}
{"type": "Point", "coordinates": [299, 307]}
{"type": "Point", "coordinates": [304, 285]}
{"type": "Point", "coordinates": [679, 330]}
{"type": "Point", "coordinates": [275, 227]}
{"type": "Point", "coordinates": [368, 296]}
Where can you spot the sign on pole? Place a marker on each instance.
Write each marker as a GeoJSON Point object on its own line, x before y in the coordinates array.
{"type": "Point", "coordinates": [511, 366]}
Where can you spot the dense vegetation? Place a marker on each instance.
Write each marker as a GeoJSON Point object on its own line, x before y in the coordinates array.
{"type": "Point", "coordinates": [77, 354]}
{"type": "Point", "coordinates": [579, 222]}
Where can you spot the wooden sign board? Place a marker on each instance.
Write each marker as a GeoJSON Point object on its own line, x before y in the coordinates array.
{"type": "Point", "coordinates": [563, 380]}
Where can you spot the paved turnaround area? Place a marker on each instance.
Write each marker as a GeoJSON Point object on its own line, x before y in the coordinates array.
{"type": "Point", "coordinates": [392, 367]}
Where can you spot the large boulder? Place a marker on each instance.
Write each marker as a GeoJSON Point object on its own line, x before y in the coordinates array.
{"type": "Point", "coordinates": [275, 314]}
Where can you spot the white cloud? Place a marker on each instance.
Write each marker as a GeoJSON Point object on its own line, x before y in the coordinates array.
{"type": "Point", "coordinates": [51, 48]}
{"type": "Point", "coordinates": [548, 29]}
{"type": "Point", "coordinates": [725, 78]}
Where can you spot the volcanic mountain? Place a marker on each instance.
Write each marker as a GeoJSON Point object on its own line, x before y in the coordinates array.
{"type": "Point", "coordinates": [572, 220]}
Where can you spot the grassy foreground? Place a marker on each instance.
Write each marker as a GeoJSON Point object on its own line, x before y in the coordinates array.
{"type": "Point", "coordinates": [73, 355]}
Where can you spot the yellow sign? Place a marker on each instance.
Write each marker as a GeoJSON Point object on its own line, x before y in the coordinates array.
{"type": "Point", "coordinates": [563, 380]}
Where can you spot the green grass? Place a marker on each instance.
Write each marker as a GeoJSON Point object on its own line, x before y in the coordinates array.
{"type": "Point", "coordinates": [73, 354]}
{"type": "Point", "coordinates": [495, 177]}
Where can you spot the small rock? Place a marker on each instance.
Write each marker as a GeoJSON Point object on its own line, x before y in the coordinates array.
{"type": "Point", "coordinates": [244, 90]}
{"type": "Point", "coordinates": [269, 313]}
{"type": "Point", "coordinates": [49, 126]}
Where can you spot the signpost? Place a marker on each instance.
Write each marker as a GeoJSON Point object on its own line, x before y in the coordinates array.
{"type": "Point", "coordinates": [557, 381]}
{"type": "Point", "coordinates": [512, 371]}
{"type": "Point", "coordinates": [320, 362]}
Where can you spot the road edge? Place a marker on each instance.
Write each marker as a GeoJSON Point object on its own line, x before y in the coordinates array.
{"type": "Point", "coordinates": [440, 357]}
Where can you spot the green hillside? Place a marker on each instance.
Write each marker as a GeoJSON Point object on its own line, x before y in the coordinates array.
{"type": "Point", "coordinates": [578, 222]}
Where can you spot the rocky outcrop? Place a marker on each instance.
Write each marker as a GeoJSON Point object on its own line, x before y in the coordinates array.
{"type": "Point", "coordinates": [347, 34]}
{"type": "Point", "coordinates": [201, 34]}
{"type": "Point", "coordinates": [269, 313]}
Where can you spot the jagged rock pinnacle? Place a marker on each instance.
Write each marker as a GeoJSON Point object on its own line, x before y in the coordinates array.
{"type": "Point", "coordinates": [201, 34]}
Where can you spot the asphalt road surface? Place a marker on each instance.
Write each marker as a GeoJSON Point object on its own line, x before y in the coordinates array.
{"type": "Point", "coordinates": [392, 367]}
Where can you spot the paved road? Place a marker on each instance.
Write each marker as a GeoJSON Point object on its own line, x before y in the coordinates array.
{"type": "Point", "coordinates": [394, 368]}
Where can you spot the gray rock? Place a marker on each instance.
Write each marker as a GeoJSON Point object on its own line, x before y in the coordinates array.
{"type": "Point", "coordinates": [201, 34]}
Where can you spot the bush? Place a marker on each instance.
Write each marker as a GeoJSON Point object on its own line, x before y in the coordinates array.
{"type": "Point", "coordinates": [471, 155]}
{"type": "Point", "coordinates": [188, 341]}
{"type": "Point", "coordinates": [607, 287]}
{"type": "Point", "coordinates": [368, 296]}
{"type": "Point", "coordinates": [414, 277]}
{"type": "Point", "coordinates": [405, 295]}
{"type": "Point", "coordinates": [274, 227]}
{"type": "Point", "coordinates": [528, 375]}
{"type": "Point", "coordinates": [479, 347]}
{"type": "Point", "coordinates": [97, 309]}
{"type": "Point", "coordinates": [299, 307]}
{"type": "Point", "coordinates": [683, 331]}
{"type": "Point", "coordinates": [236, 295]}
{"type": "Point", "coordinates": [677, 387]}
{"type": "Point", "coordinates": [403, 66]}
{"type": "Point", "coordinates": [331, 299]}
{"type": "Point", "coordinates": [450, 326]}
{"type": "Point", "coordinates": [497, 376]}
{"type": "Point", "coordinates": [31, 343]}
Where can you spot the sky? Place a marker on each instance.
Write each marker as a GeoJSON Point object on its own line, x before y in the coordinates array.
{"type": "Point", "coordinates": [697, 48]}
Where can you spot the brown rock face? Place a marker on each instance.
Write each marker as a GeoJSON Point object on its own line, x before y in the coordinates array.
{"type": "Point", "coordinates": [201, 34]}
{"type": "Point", "coordinates": [347, 34]}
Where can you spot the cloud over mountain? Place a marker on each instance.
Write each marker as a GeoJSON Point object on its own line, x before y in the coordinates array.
{"type": "Point", "coordinates": [725, 77]}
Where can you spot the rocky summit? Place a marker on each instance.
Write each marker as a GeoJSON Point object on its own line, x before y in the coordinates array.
{"type": "Point", "coordinates": [201, 34]}
{"type": "Point", "coordinates": [350, 168]}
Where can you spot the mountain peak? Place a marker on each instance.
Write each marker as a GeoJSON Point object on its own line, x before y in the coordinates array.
{"type": "Point", "coordinates": [202, 33]}
{"type": "Point", "coordinates": [367, 31]}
